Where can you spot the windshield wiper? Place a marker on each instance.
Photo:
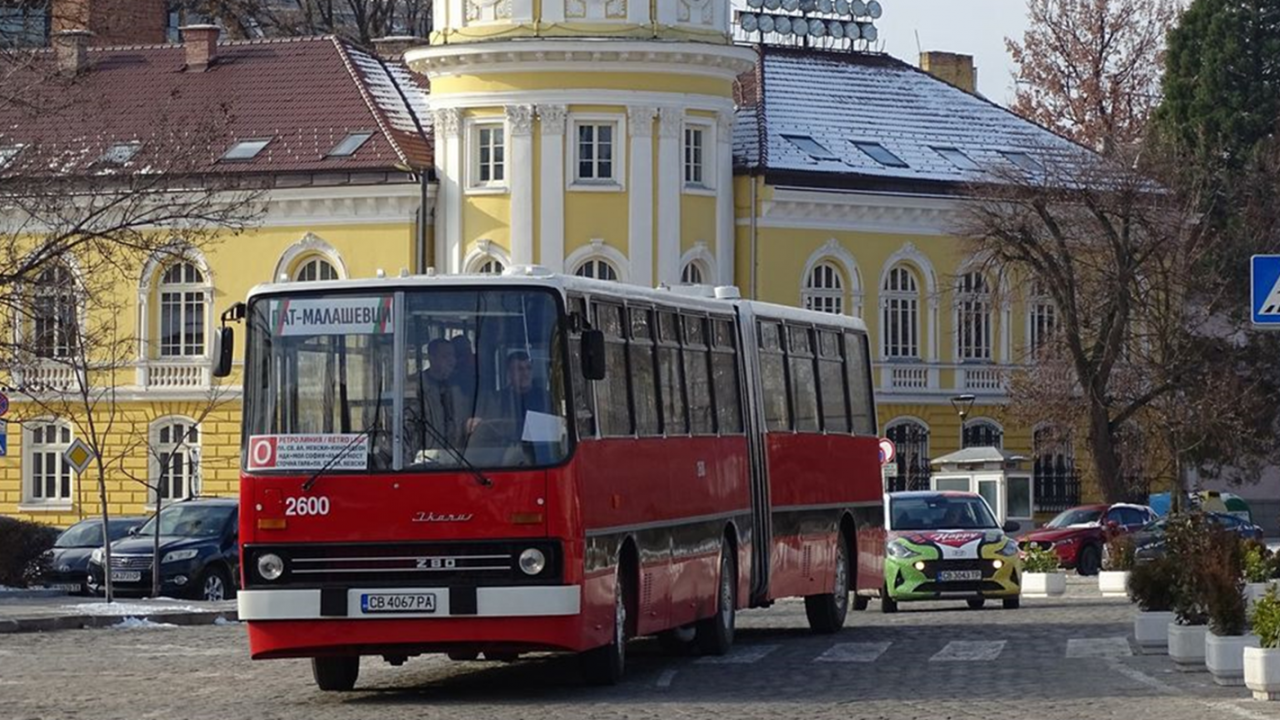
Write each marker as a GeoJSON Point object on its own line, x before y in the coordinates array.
{"type": "Point", "coordinates": [455, 452]}
{"type": "Point", "coordinates": [306, 486]}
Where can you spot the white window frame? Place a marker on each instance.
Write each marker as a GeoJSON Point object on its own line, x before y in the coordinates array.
{"type": "Point", "coordinates": [968, 307]}
{"type": "Point", "coordinates": [617, 273]}
{"type": "Point", "coordinates": [694, 266]}
{"type": "Point", "coordinates": [709, 144]}
{"type": "Point", "coordinates": [892, 304]}
{"type": "Point", "coordinates": [621, 145]}
{"type": "Point", "coordinates": [29, 500]}
{"type": "Point", "coordinates": [183, 288]}
{"type": "Point", "coordinates": [315, 260]}
{"type": "Point", "coordinates": [1042, 315]}
{"type": "Point", "coordinates": [475, 186]}
{"type": "Point", "coordinates": [61, 292]}
{"type": "Point", "coordinates": [813, 297]}
{"type": "Point", "coordinates": [193, 459]}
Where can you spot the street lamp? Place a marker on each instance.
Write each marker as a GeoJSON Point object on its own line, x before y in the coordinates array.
{"type": "Point", "coordinates": [963, 404]}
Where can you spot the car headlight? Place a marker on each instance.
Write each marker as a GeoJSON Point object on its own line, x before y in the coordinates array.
{"type": "Point", "coordinates": [95, 557]}
{"type": "Point", "coordinates": [270, 566]}
{"type": "Point", "coordinates": [1010, 548]}
{"type": "Point", "coordinates": [177, 555]}
{"type": "Point", "coordinates": [532, 561]}
{"type": "Point", "coordinates": [901, 551]}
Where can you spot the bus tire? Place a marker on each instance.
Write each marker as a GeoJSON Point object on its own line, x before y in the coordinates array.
{"type": "Point", "coordinates": [336, 674]}
{"type": "Point", "coordinates": [827, 612]}
{"type": "Point", "coordinates": [715, 634]}
{"type": "Point", "coordinates": [606, 664]}
{"type": "Point", "coordinates": [679, 641]}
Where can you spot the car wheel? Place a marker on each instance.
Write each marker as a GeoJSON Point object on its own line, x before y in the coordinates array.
{"type": "Point", "coordinates": [715, 634]}
{"type": "Point", "coordinates": [1090, 560]}
{"type": "Point", "coordinates": [605, 665]}
{"type": "Point", "coordinates": [887, 603]}
{"type": "Point", "coordinates": [1012, 603]}
{"type": "Point", "coordinates": [976, 603]}
{"type": "Point", "coordinates": [336, 674]}
{"type": "Point", "coordinates": [827, 612]}
{"type": "Point", "coordinates": [214, 585]}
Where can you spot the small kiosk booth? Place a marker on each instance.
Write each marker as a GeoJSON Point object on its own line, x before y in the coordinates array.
{"type": "Point", "coordinates": [995, 475]}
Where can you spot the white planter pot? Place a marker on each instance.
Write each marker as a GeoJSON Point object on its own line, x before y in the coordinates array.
{"type": "Point", "coordinates": [1044, 584]}
{"type": "Point", "coordinates": [1262, 673]}
{"type": "Point", "coordinates": [1224, 656]}
{"type": "Point", "coordinates": [1114, 583]}
{"type": "Point", "coordinates": [1254, 591]}
{"type": "Point", "coordinates": [1186, 647]}
{"type": "Point", "coordinates": [1151, 631]}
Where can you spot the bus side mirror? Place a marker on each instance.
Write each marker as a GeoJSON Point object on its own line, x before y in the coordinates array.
{"type": "Point", "coordinates": [593, 355]}
{"type": "Point", "coordinates": [224, 345]}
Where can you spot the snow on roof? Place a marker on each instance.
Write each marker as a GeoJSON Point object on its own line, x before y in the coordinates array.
{"type": "Point", "coordinates": [837, 99]}
{"type": "Point", "coordinates": [977, 455]}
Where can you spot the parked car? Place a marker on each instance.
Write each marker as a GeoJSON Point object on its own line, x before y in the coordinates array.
{"type": "Point", "coordinates": [1079, 535]}
{"type": "Point", "coordinates": [1149, 542]}
{"type": "Point", "coordinates": [199, 557]}
{"type": "Point", "coordinates": [945, 545]}
{"type": "Point", "coordinates": [66, 566]}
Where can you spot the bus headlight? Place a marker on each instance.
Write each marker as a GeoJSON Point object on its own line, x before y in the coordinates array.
{"type": "Point", "coordinates": [270, 566]}
{"type": "Point", "coordinates": [532, 561]}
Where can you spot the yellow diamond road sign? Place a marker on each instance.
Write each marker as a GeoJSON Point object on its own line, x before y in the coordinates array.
{"type": "Point", "coordinates": [78, 455]}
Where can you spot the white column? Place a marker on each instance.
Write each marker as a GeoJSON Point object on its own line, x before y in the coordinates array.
{"type": "Point", "coordinates": [667, 13]}
{"type": "Point", "coordinates": [640, 191]}
{"type": "Point", "coordinates": [520, 180]}
{"type": "Point", "coordinates": [638, 13]}
{"type": "Point", "coordinates": [725, 240]}
{"type": "Point", "coordinates": [449, 217]}
{"type": "Point", "coordinates": [551, 220]}
{"type": "Point", "coordinates": [457, 16]}
{"type": "Point", "coordinates": [670, 186]}
{"type": "Point", "coordinates": [553, 11]}
{"type": "Point", "coordinates": [522, 11]}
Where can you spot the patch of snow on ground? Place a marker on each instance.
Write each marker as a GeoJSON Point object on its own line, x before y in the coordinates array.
{"type": "Point", "coordinates": [223, 621]}
{"type": "Point", "coordinates": [133, 623]}
{"type": "Point", "coordinates": [119, 608]}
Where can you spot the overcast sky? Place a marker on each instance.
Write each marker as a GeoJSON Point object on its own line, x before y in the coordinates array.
{"type": "Point", "coordinates": [971, 27]}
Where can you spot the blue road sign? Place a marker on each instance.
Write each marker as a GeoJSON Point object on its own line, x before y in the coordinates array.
{"type": "Point", "coordinates": [4, 438]}
{"type": "Point", "coordinates": [1265, 290]}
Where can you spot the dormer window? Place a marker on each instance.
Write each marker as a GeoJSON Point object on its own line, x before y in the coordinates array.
{"type": "Point", "coordinates": [810, 147]}
{"type": "Point", "coordinates": [120, 153]}
{"type": "Point", "coordinates": [880, 154]}
{"type": "Point", "coordinates": [350, 144]}
{"type": "Point", "coordinates": [245, 150]}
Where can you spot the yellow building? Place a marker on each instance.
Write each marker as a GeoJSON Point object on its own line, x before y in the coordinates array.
{"type": "Point", "coordinates": [635, 141]}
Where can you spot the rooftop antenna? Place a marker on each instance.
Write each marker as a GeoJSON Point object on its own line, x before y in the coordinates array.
{"type": "Point", "coordinates": [919, 49]}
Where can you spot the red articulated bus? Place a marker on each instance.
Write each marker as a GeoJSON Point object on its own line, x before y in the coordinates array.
{"type": "Point", "coordinates": [536, 462]}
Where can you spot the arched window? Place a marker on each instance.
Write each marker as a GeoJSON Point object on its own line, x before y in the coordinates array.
{"type": "Point", "coordinates": [597, 268]}
{"type": "Point", "coordinates": [1042, 318]}
{"type": "Point", "coordinates": [693, 274]}
{"type": "Point", "coordinates": [183, 298]}
{"type": "Point", "coordinates": [175, 459]}
{"type": "Point", "coordinates": [491, 266]}
{"type": "Point", "coordinates": [911, 438]}
{"type": "Point", "coordinates": [54, 310]}
{"type": "Point", "coordinates": [46, 474]}
{"type": "Point", "coordinates": [824, 289]}
{"type": "Point", "coordinates": [900, 300]}
{"type": "Point", "coordinates": [1057, 482]}
{"type": "Point", "coordinates": [316, 268]}
{"type": "Point", "coordinates": [981, 433]}
{"type": "Point", "coordinates": [973, 318]}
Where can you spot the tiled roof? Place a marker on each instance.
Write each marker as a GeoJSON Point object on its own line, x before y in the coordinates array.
{"type": "Point", "coordinates": [306, 94]}
{"type": "Point", "coordinates": [840, 99]}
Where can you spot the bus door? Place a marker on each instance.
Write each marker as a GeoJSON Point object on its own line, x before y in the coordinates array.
{"type": "Point", "coordinates": [761, 518]}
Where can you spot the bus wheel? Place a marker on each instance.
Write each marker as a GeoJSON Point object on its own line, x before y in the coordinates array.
{"type": "Point", "coordinates": [827, 611]}
{"type": "Point", "coordinates": [678, 641]}
{"type": "Point", "coordinates": [605, 665]}
{"type": "Point", "coordinates": [336, 674]}
{"type": "Point", "coordinates": [715, 634]}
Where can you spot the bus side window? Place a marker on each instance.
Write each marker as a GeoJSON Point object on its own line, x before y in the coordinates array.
{"type": "Point", "coordinates": [773, 378]}
{"type": "Point", "coordinates": [804, 387]}
{"type": "Point", "coordinates": [583, 407]}
{"type": "Point", "coordinates": [644, 385]}
{"type": "Point", "coordinates": [698, 374]}
{"type": "Point", "coordinates": [615, 406]}
{"type": "Point", "coordinates": [675, 421]}
{"type": "Point", "coordinates": [728, 390]}
{"type": "Point", "coordinates": [856, 359]}
{"type": "Point", "coordinates": [831, 383]}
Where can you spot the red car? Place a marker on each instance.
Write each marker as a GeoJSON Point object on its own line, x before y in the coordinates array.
{"type": "Point", "coordinates": [1077, 535]}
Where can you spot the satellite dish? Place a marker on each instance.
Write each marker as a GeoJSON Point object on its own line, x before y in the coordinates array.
{"type": "Point", "coordinates": [766, 24]}
{"type": "Point", "coordinates": [869, 32]}
{"type": "Point", "coordinates": [808, 5]}
{"type": "Point", "coordinates": [825, 6]}
{"type": "Point", "coordinates": [791, 5]}
{"type": "Point", "coordinates": [874, 9]}
{"type": "Point", "coordinates": [749, 22]}
{"type": "Point", "coordinates": [799, 26]}
{"type": "Point", "coordinates": [842, 7]}
{"type": "Point", "coordinates": [773, 4]}
{"type": "Point", "coordinates": [852, 30]}
{"type": "Point", "coordinates": [835, 29]}
{"type": "Point", "coordinates": [757, 4]}
{"type": "Point", "coordinates": [858, 7]}
{"type": "Point", "coordinates": [817, 28]}
{"type": "Point", "coordinates": [782, 25]}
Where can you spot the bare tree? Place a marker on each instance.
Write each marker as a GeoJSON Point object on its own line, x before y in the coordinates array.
{"type": "Point", "coordinates": [361, 21]}
{"type": "Point", "coordinates": [1090, 69]}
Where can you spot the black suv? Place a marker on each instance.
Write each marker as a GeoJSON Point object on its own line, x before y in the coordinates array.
{"type": "Point", "coordinates": [199, 553]}
{"type": "Point", "coordinates": [66, 566]}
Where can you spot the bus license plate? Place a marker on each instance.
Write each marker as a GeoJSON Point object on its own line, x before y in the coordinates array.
{"type": "Point", "coordinates": [959, 575]}
{"type": "Point", "coordinates": [398, 602]}
{"type": "Point", "coordinates": [126, 575]}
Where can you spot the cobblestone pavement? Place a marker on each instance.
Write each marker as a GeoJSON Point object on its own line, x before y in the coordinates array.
{"type": "Point", "coordinates": [1052, 659]}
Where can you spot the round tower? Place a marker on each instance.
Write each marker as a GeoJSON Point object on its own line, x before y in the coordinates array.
{"type": "Point", "coordinates": [589, 136]}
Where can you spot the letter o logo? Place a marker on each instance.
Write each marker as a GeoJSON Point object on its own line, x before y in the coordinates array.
{"type": "Point", "coordinates": [262, 453]}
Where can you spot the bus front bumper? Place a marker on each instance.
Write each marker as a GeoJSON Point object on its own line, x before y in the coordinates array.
{"type": "Point", "coordinates": [372, 603]}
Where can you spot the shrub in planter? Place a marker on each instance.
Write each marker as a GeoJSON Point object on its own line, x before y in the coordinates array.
{"type": "Point", "coordinates": [1041, 576]}
{"type": "Point", "coordinates": [1259, 566]}
{"type": "Point", "coordinates": [1117, 561]}
{"type": "Point", "coordinates": [23, 549]}
{"type": "Point", "coordinates": [1187, 541]}
{"type": "Point", "coordinates": [1262, 664]}
{"type": "Point", "coordinates": [1222, 582]}
{"type": "Point", "coordinates": [1151, 587]}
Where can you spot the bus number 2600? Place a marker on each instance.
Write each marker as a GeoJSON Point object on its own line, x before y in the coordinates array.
{"type": "Point", "coordinates": [306, 506]}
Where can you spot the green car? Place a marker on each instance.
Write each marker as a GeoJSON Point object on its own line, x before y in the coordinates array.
{"type": "Point", "coordinates": [944, 545]}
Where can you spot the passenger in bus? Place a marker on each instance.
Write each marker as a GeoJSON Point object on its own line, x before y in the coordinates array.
{"type": "Point", "coordinates": [503, 414]}
{"type": "Point", "coordinates": [443, 406]}
{"type": "Point", "coordinates": [465, 375]}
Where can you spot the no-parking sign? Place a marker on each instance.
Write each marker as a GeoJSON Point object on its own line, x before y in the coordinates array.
{"type": "Point", "coordinates": [888, 451]}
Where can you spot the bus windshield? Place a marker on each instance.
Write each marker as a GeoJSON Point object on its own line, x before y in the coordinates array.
{"type": "Point", "coordinates": [417, 380]}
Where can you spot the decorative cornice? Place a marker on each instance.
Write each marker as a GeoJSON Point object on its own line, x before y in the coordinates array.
{"type": "Point", "coordinates": [725, 122]}
{"type": "Point", "coordinates": [725, 62]}
{"type": "Point", "coordinates": [449, 120]}
{"type": "Point", "coordinates": [520, 120]}
{"type": "Point", "coordinates": [348, 205]}
{"type": "Point", "coordinates": [640, 118]}
{"type": "Point", "coordinates": [553, 118]}
{"type": "Point", "coordinates": [861, 212]}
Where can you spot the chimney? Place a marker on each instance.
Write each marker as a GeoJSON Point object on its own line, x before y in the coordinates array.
{"type": "Point", "coordinates": [71, 48]}
{"type": "Point", "coordinates": [951, 67]}
{"type": "Point", "coordinates": [201, 43]}
{"type": "Point", "coordinates": [392, 48]}
{"type": "Point", "coordinates": [113, 22]}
